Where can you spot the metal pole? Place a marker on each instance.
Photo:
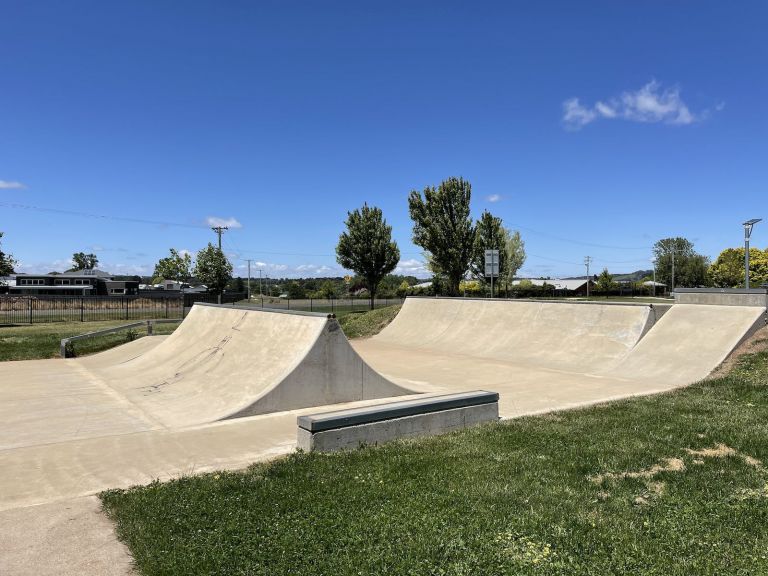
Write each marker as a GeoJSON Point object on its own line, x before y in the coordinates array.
{"type": "Point", "coordinates": [492, 274]}
{"type": "Point", "coordinates": [746, 258]}
{"type": "Point", "coordinates": [219, 230]}
{"type": "Point", "coordinates": [249, 281]}
{"type": "Point", "coordinates": [587, 262]}
{"type": "Point", "coordinates": [673, 270]}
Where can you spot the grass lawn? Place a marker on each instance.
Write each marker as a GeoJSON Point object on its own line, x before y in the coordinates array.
{"type": "Point", "coordinates": [666, 485]}
{"type": "Point", "coordinates": [365, 324]}
{"type": "Point", "coordinates": [35, 341]}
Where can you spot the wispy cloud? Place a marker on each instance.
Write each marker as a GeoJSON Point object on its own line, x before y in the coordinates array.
{"type": "Point", "coordinates": [493, 198]}
{"type": "Point", "coordinates": [650, 104]}
{"type": "Point", "coordinates": [11, 185]}
{"type": "Point", "coordinates": [230, 222]}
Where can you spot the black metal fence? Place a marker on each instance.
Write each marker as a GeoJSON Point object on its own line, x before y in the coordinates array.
{"type": "Point", "coordinates": [37, 309]}
{"type": "Point", "coordinates": [33, 309]}
{"type": "Point", "coordinates": [330, 305]}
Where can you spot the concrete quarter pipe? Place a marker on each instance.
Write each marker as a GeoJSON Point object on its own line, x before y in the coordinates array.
{"type": "Point", "coordinates": [232, 362]}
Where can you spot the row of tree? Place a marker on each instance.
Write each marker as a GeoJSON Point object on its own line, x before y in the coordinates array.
{"type": "Point", "coordinates": [453, 243]}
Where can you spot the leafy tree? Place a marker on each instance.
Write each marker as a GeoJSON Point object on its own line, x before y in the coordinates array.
{"type": "Point", "coordinates": [514, 252]}
{"type": "Point", "coordinates": [7, 261]}
{"type": "Point", "coordinates": [367, 247]}
{"type": "Point", "coordinates": [213, 269]}
{"type": "Point", "coordinates": [296, 291]}
{"type": "Point", "coordinates": [691, 268]}
{"type": "Point", "coordinates": [403, 289]}
{"type": "Point", "coordinates": [443, 226]}
{"type": "Point", "coordinates": [174, 267]}
{"type": "Point", "coordinates": [83, 261]}
{"type": "Point", "coordinates": [489, 235]}
{"type": "Point", "coordinates": [728, 270]}
{"type": "Point", "coordinates": [327, 290]}
{"type": "Point", "coordinates": [605, 282]}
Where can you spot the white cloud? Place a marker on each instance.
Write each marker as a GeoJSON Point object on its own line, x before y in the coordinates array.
{"type": "Point", "coordinates": [575, 115]}
{"type": "Point", "coordinates": [230, 222]}
{"type": "Point", "coordinates": [493, 198]}
{"type": "Point", "coordinates": [11, 185]}
{"type": "Point", "coordinates": [412, 267]}
{"type": "Point", "coordinates": [650, 104]}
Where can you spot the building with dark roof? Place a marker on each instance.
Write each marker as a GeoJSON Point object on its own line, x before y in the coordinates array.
{"type": "Point", "coordinates": [74, 283]}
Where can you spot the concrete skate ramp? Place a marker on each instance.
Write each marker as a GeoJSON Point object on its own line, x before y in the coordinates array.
{"type": "Point", "coordinates": [229, 362]}
{"type": "Point", "coordinates": [563, 336]}
{"type": "Point", "coordinates": [689, 342]}
{"type": "Point", "coordinates": [543, 356]}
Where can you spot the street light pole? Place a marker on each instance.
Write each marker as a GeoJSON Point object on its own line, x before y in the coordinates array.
{"type": "Point", "coordinates": [747, 233]}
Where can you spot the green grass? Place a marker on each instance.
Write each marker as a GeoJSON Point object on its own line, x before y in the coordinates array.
{"type": "Point", "coordinates": [36, 341]}
{"type": "Point", "coordinates": [365, 324]}
{"type": "Point", "coordinates": [537, 495]}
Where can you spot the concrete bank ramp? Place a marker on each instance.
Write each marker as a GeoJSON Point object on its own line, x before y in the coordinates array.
{"type": "Point", "coordinates": [689, 342]}
{"type": "Point", "coordinates": [225, 362]}
{"type": "Point", "coordinates": [563, 336]}
{"type": "Point", "coordinates": [544, 356]}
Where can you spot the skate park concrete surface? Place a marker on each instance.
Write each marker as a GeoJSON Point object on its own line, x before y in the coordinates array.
{"type": "Point", "coordinates": [226, 388]}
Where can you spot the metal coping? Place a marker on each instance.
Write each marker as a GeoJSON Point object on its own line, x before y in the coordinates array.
{"type": "Point", "coordinates": [389, 411]}
{"type": "Point", "coordinates": [661, 302]}
{"type": "Point", "coordinates": [260, 309]}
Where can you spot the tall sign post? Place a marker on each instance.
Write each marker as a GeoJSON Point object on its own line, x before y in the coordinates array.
{"type": "Point", "coordinates": [492, 265]}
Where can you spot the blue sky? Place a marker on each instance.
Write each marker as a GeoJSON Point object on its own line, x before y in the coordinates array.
{"type": "Point", "coordinates": [595, 128]}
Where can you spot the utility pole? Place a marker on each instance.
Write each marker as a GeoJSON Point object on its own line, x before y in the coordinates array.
{"type": "Point", "coordinates": [219, 230]}
{"type": "Point", "coordinates": [587, 261]}
{"type": "Point", "coordinates": [260, 291]}
{"type": "Point", "coordinates": [249, 280]}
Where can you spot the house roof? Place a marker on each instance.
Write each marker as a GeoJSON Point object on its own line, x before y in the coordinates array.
{"type": "Point", "coordinates": [86, 272]}
{"type": "Point", "coordinates": [70, 274]}
{"type": "Point", "coordinates": [558, 283]}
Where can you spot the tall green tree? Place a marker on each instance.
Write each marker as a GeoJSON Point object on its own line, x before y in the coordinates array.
{"type": "Point", "coordinates": [174, 267]}
{"type": "Point", "coordinates": [7, 262]}
{"type": "Point", "coordinates": [213, 269]}
{"type": "Point", "coordinates": [728, 270]}
{"type": "Point", "coordinates": [489, 235]}
{"type": "Point", "coordinates": [443, 226]}
{"type": "Point", "coordinates": [605, 282]}
{"type": "Point", "coordinates": [83, 261]}
{"type": "Point", "coordinates": [367, 248]}
{"type": "Point", "coordinates": [691, 268]}
{"type": "Point", "coordinates": [514, 251]}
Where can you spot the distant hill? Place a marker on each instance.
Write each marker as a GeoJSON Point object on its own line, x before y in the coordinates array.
{"type": "Point", "coordinates": [630, 277]}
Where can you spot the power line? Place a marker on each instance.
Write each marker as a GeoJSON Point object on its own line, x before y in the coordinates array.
{"type": "Point", "coordinates": [29, 207]}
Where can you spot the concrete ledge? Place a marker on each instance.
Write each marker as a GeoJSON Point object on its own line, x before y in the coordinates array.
{"type": "Point", "coordinates": [722, 296]}
{"type": "Point", "coordinates": [349, 429]}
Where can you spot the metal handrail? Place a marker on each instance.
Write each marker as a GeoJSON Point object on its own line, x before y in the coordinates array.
{"type": "Point", "coordinates": [148, 323]}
